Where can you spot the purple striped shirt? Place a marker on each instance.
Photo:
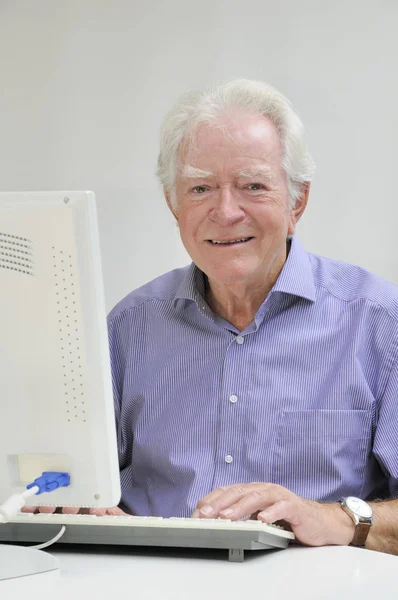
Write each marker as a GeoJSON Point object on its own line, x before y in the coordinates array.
{"type": "Point", "coordinates": [306, 396]}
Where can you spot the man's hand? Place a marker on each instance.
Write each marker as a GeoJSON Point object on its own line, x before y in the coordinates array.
{"type": "Point", "coordinates": [69, 510]}
{"type": "Point", "coordinates": [313, 524]}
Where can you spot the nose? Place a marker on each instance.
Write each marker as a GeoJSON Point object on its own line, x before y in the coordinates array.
{"type": "Point", "coordinates": [227, 209]}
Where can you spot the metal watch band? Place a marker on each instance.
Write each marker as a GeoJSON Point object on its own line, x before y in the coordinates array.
{"type": "Point", "coordinates": [360, 535]}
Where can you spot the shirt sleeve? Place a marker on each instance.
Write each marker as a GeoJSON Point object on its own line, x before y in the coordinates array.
{"type": "Point", "coordinates": [385, 445]}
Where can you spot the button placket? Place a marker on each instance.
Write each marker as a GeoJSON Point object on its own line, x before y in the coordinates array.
{"type": "Point", "coordinates": [230, 436]}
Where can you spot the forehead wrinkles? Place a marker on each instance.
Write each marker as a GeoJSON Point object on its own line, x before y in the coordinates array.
{"type": "Point", "coordinates": [253, 137]}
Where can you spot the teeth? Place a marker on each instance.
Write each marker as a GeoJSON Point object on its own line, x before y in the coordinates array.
{"type": "Point", "coordinates": [231, 241]}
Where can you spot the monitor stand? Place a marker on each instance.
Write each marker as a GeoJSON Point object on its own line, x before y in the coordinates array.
{"type": "Point", "coordinates": [19, 563]}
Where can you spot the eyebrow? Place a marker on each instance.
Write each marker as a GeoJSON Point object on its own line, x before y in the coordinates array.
{"type": "Point", "coordinates": [189, 172]}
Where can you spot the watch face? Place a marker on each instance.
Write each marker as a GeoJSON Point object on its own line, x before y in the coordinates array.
{"type": "Point", "coordinates": [359, 507]}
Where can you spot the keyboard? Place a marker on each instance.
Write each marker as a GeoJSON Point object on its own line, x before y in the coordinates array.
{"type": "Point", "coordinates": [235, 536]}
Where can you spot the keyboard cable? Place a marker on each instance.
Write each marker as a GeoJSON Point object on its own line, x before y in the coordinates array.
{"type": "Point", "coordinates": [52, 541]}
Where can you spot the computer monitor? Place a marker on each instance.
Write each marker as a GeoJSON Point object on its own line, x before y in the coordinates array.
{"type": "Point", "coordinates": [56, 405]}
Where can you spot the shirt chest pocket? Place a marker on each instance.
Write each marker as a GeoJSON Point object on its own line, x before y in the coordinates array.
{"type": "Point", "coordinates": [322, 454]}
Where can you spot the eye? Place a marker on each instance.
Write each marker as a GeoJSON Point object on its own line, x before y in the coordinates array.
{"type": "Point", "coordinates": [199, 189]}
{"type": "Point", "coordinates": [254, 187]}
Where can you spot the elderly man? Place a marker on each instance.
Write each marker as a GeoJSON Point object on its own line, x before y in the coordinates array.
{"type": "Point", "coordinates": [260, 380]}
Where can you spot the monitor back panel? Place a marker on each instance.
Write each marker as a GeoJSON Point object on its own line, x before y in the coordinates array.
{"type": "Point", "coordinates": [55, 386]}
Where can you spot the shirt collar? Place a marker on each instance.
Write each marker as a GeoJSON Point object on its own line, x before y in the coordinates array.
{"type": "Point", "coordinates": [295, 279]}
{"type": "Point", "coordinates": [192, 287]}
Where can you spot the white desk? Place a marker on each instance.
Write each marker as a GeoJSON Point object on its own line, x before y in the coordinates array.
{"type": "Point", "coordinates": [342, 573]}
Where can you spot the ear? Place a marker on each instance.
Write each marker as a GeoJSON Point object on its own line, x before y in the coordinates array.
{"type": "Point", "coordinates": [299, 208]}
{"type": "Point", "coordinates": [167, 195]}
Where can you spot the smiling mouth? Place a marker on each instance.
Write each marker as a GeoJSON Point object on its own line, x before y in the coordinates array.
{"type": "Point", "coordinates": [236, 242]}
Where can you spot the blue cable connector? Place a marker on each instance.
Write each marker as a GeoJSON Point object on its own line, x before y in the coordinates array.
{"type": "Point", "coordinates": [49, 481]}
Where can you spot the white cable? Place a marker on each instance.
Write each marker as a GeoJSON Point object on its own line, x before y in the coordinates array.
{"type": "Point", "coordinates": [13, 505]}
{"type": "Point", "coordinates": [54, 539]}
{"type": "Point", "coordinates": [30, 492]}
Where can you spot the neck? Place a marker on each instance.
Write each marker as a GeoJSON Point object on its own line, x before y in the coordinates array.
{"type": "Point", "coordinates": [238, 303]}
{"type": "Point", "coordinates": [237, 306]}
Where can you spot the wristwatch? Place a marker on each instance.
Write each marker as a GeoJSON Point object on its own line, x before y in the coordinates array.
{"type": "Point", "coordinates": [362, 515]}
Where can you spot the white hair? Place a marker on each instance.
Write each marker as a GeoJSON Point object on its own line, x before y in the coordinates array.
{"type": "Point", "coordinates": [255, 97]}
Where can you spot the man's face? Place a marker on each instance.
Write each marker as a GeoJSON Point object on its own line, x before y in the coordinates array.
{"type": "Point", "coordinates": [232, 200]}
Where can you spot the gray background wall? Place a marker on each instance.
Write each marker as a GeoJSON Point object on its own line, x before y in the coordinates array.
{"type": "Point", "coordinates": [85, 84]}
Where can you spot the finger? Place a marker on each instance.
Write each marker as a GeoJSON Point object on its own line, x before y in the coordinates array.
{"type": "Point", "coordinates": [214, 503]}
{"type": "Point", "coordinates": [237, 501]}
{"type": "Point", "coordinates": [250, 504]}
{"type": "Point", "coordinates": [112, 511]}
{"type": "Point", "coordinates": [282, 510]}
{"type": "Point", "coordinates": [70, 510]}
{"type": "Point", "coordinates": [259, 498]}
{"type": "Point", "coordinates": [98, 512]}
{"type": "Point", "coordinates": [48, 510]}
{"type": "Point", "coordinates": [212, 496]}
{"type": "Point", "coordinates": [41, 509]}
{"type": "Point", "coordinates": [242, 500]}
{"type": "Point", "coordinates": [207, 501]}
{"type": "Point", "coordinates": [117, 512]}
{"type": "Point", "coordinates": [232, 504]}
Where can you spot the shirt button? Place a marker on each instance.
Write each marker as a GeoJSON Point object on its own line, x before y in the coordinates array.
{"type": "Point", "coordinates": [228, 459]}
{"type": "Point", "coordinates": [233, 398]}
{"type": "Point", "coordinates": [240, 339]}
